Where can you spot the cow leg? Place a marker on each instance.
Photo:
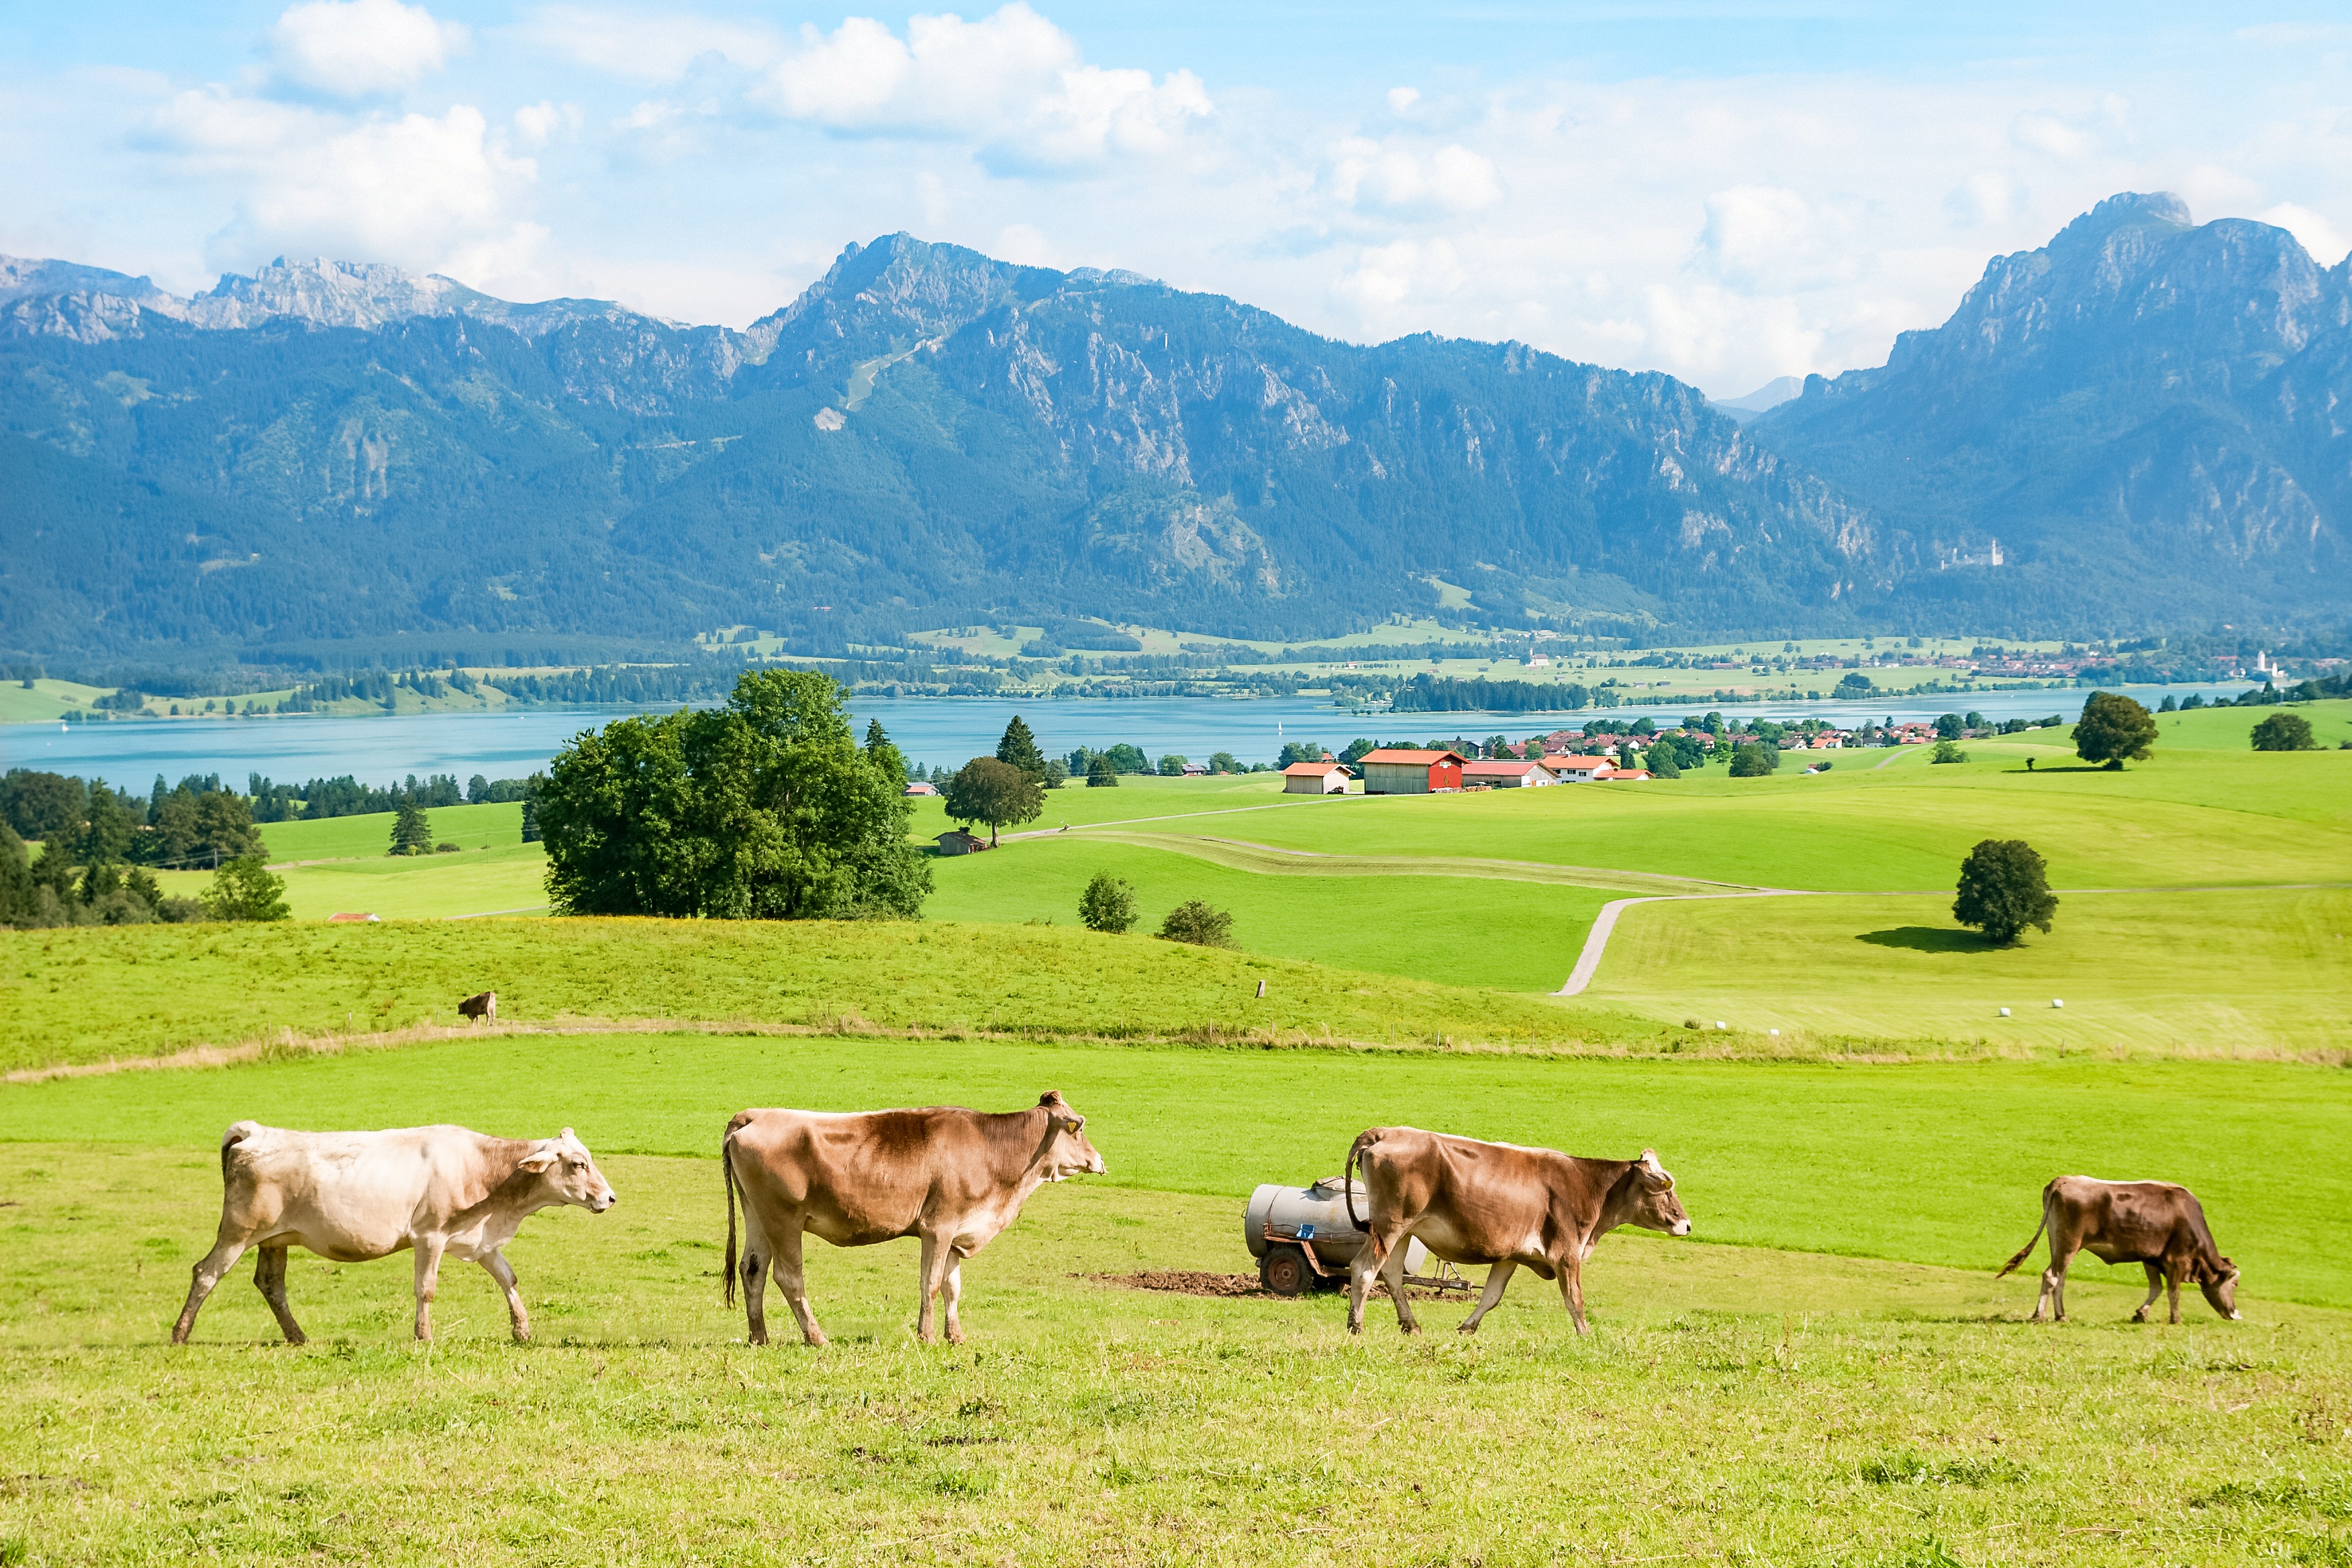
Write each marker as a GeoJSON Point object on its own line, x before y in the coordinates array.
{"type": "Point", "coordinates": [1392, 1276]}
{"type": "Point", "coordinates": [270, 1278]}
{"type": "Point", "coordinates": [1571, 1288]}
{"type": "Point", "coordinates": [2155, 1284]}
{"type": "Point", "coordinates": [428, 1281]}
{"type": "Point", "coordinates": [1498, 1279]}
{"type": "Point", "coordinates": [503, 1272]}
{"type": "Point", "coordinates": [2054, 1288]}
{"type": "Point", "coordinates": [205, 1274]}
{"type": "Point", "coordinates": [936, 1255]}
{"type": "Point", "coordinates": [2172, 1294]}
{"type": "Point", "coordinates": [1361, 1270]}
{"type": "Point", "coordinates": [793, 1283]}
{"type": "Point", "coordinates": [951, 1295]}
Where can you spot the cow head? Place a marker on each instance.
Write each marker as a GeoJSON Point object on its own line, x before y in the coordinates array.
{"type": "Point", "coordinates": [570, 1172]}
{"type": "Point", "coordinates": [2220, 1287]}
{"type": "Point", "coordinates": [1068, 1153]}
{"type": "Point", "coordinates": [1655, 1207]}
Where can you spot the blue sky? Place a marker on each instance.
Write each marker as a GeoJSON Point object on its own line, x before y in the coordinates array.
{"type": "Point", "coordinates": [1728, 192]}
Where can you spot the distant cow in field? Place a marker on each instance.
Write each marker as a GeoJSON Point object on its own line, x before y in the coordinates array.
{"type": "Point", "coordinates": [955, 1178]}
{"type": "Point", "coordinates": [2154, 1224]}
{"type": "Point", "coordinates": [1469, 1201]}
{"type": "Point", "coordinates": [481, 1005]}
{"type": "Point", "coordinates": [353, 1196]}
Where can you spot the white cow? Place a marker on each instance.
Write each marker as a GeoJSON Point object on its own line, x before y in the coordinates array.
{"type": "Point", "coordinates": [353, 1196]}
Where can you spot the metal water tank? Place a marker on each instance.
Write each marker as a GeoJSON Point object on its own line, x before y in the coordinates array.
{"type": "Point", "coordinates": [1303, 1238]}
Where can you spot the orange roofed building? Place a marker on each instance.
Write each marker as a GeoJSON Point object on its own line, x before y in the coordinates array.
{"type": "Point", "coordinates": [1388, 771]}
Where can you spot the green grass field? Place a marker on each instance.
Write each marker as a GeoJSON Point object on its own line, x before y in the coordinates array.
{"type": "Point", "coordinates": [2218, 972]}
{"type": "Point", "coordinates": [1746, 1402]}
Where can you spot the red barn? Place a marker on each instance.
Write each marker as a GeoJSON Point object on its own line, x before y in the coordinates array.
{"type": "Point", "coordinates": [1390, 772]}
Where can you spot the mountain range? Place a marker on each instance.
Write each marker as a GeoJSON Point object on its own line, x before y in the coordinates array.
{"type": "Point", "coordinates": [2133, 426]}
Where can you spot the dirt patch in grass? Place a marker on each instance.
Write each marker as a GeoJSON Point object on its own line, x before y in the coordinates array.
{"type": "Point", "coordinates": [1185, 1282]}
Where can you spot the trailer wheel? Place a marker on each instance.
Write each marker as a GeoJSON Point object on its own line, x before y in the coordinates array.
{"type": "Point", "coordinates": [1284, 1272]}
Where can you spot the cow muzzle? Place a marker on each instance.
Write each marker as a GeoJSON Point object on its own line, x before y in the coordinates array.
{"type": "Point", "coordinates": [1682, 1227]}
{"type": "Point", "coordinates": [602, 1202]}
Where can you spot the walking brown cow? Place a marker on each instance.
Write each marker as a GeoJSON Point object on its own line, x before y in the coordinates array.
{"type": "Point", "coordinates": [1470, 1201]}
{"type": "Point", "coordinates": [955, 1178]}
{"type": "Point", "coordinates": [2156, 1225]}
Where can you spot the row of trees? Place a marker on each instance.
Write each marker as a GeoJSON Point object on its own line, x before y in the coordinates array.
{"type": "Point", "coordinates": [197, 823]}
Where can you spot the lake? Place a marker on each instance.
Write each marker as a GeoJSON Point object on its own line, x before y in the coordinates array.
{"type": "Point", "coordinates": [934, 732]}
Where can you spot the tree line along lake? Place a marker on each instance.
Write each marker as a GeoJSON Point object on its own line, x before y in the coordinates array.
{"type": "Point", "coordinates": [941, 732]}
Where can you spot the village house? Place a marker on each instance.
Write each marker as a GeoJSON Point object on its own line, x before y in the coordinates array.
{"type": "Point", "coordinates": [920, 787]}
{"type": "Point", "coordinates": [1503, 774]}
{"type": "Point", "coordinates": [956, 841]}
{"type": "Point", "coordinates": [1315, 778]}
{"type": "Point", "coordinates": [1573, 769]}
{"type": "Point", "coordinates": [1399, 771]}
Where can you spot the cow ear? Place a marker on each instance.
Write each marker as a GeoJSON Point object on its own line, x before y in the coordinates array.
{"type": "Point", "coordinates": [1052, 1097]}
{"type": "Point", "coordinates": [1650, 1158]}
{"type": "Point", "coordinates": [536, 1161]}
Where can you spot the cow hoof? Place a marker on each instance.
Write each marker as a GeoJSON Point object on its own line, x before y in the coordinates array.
{"type": "Point", "coordinates": [755, 1338]}
{"type": "Point", "coordinates": [2140, 1316]}
{"type": "Point", "coordinates": [297, 1339]}
{"type": "Point", "coordinates": [1410, 1330]}
{"type": "Point", "coordinates": [814, 1342]}
{"type": "Point", "coordinates": [955, 1336]}
{"type": "Point", "coordinates": [522, 1336]}
{"type": "Point", "coordinates": [1467, 1328]}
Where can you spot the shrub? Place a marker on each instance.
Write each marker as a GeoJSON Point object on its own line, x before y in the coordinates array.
{"type": "Point", "coordinates": [444, 848]}
{"type": "Point", "coordinates": [1949, 751]}
{"type": "Point", "coordinates": [1754, 760]}
{"type": "Point", "coordinates": [1107, 904]}
{"type": "Point", "coordinates": [2284, 732]}
{"type": "Point", "coordinates": [244, 890]}
{"type": "Point", "coordinates": [2004, 888]}
{"type": "Point", "coordinates": [1200, 924]}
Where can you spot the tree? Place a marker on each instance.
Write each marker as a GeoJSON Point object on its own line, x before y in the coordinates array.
{"type": "Point", "coordinates": [2114, 730]}
{"type": "Point", "coordinates": [2004, 888]}
{"type": "Point", "coordinates": [1948, 726]}
{"type": "Point", "coordinates": [1019, 748]}
{"type": "Point", "coordinates": [1100, 775]}
{"type": "Point", "coordinates": [1354, 753]}
{"type": "Point", "coordinates": [2284, 732]}
{"type": "Point", "coordinates": [244, 890]}
{"type": "Point", "coordinates": [761, 809]}
{"type": "Point", "coordinates": [1299, 752]}
{"type": "Point", "coordinates": [1171, 766]}
{"type": "Point", "coordinates": [1662, 761]}
{"type": "Point", "coordinates": [1129, 759]}
{"type": "Point", "coordinates": [1107, 904]}
{"type": "Point", "coordinates": [412, 832]}
{"type": "Point", "coordinates": [531, 809]}
{"type": "Point", "coordinates": [996, 792]}
{"type": "Point", "coordinates": [1197, 923]}
{"type": "Point", "coordinates": [1223, 762]}
{"type": "Point", "coordinates": [885, 756]}
{"type": "Point", "coordinates": [1948, 752]}
{"type": "Point", "coordinates": [1754, 761]}
{"type": "Point", "coordinates": [1854, 684]}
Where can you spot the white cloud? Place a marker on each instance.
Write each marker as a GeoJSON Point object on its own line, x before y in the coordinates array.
{"type": "Point", "coordinates": [1391, 178]}
{"type": "Point", "coordinates": [646, 47]}
{"type": "Point", "coordinates": [2318, 236]}
{"type": "Point", "coordinates": [355, 48]}
{"type": "Point", "coordinates": [1012, 81]}
{"type": "Point", "coordinates": [417, 190]}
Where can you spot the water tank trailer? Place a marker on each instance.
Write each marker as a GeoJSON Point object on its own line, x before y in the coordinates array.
{"type": "Point", "coordinates": [1303, 1239]}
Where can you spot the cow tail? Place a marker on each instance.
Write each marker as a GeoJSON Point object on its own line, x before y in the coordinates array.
{"type": "Point", "coordinates": [1364, 1141]}
{"type": "Point", "coordinates": [2026, 1251]}
{"type": "Point", "coordinates": [727, 1163]}
{"type": "Point", "coordinates": [238, 1131]}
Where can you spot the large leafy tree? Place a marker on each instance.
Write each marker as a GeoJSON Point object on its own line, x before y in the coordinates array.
{"type": "Point", "coordinates": [994, 791]}
{"type": "Point", "coordinates": [1019, 748]}
{"type": "Point", "coordinates": [2004, 888]}
{"type": "Point", "coordinates": [763, 809]}
{"type": "Point", "coordinates": [885, 754]}
{"type": "Point", "coordinates": [2114, 730]}
{"type": "Point", "coordinates": [244, 890]}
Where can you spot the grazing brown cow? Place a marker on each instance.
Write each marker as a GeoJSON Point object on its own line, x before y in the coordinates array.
{"type": "Point", "coordinates": [481, 1005]}
{"type": "Point", "coordinates": [353, 1196]}
{"type": "Point", "coordinates": [1470, 1201]}
{"type": "Point", "coordinates": [2153, 1224]}
{"type": "Point", "coordinates": [955, 1178]}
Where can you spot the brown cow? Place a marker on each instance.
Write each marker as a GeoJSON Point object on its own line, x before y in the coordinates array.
{"type": "Point", "coordinates": [955, 1178]}
{"type": "Point", "coordinates": [2154, 1224]}
{"type": "Point", "coordinates": [353, 1196]}
{"type": "Point", "coordinates": [481, 1005]}
{"type": "Point", "coordinates": [1470, 1201]}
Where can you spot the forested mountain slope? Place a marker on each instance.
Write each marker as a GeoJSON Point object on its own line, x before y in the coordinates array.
{"type": "Point", "coordinates": [2139, 414]}
{"type": "Point", "coordinates": [2145, 416]}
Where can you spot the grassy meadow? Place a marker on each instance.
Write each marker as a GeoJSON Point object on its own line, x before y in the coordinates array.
{"type": "Point", "coordinates": [1760, 1402]}
{"type": "Point", "coordinates": [1826, 1373]}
